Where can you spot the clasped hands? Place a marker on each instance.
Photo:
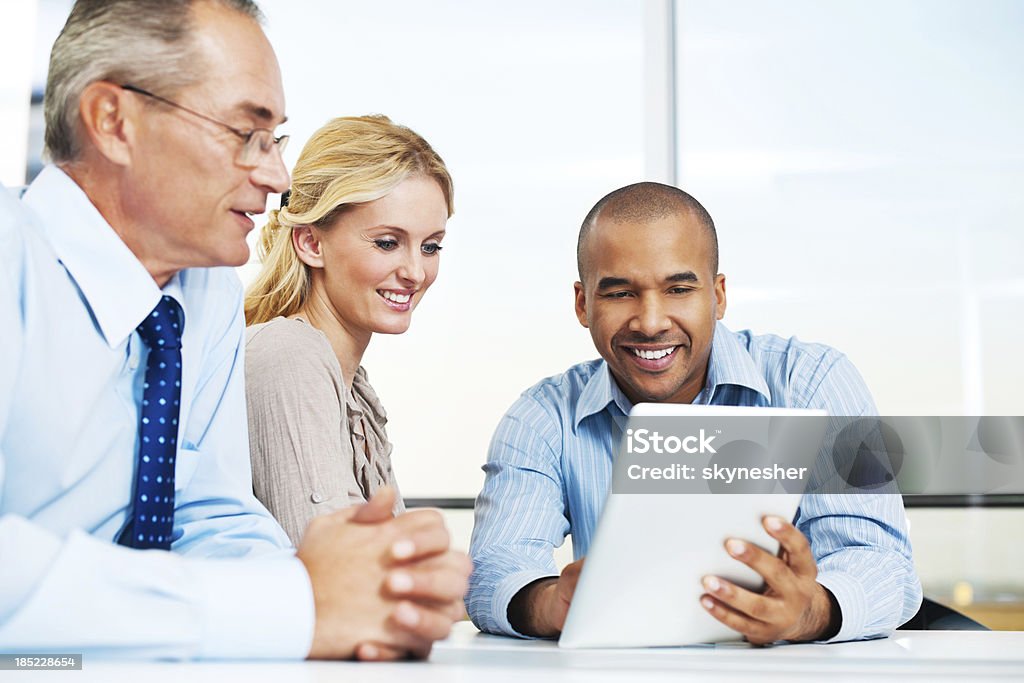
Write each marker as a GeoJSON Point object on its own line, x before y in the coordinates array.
{"type": "Point", "coordinates": [794, 606]}
{"type": "Point", "coordinates": [384, 587]}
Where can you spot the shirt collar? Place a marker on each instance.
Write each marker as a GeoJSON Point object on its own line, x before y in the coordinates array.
{"type": "Point", "coordinates": [598, 393]}
{"type": "Point", "coordinates": [730, 363]}
{"type": "Point", "coordinates": [117, 288]}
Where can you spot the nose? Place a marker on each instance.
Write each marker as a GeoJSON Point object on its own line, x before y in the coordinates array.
{"type": "Point", "coordinates": [651, 318]}
{"type": "Point", "coordinates": [412, 271]}
{"type": "Point", "coordinates": [271, 173]}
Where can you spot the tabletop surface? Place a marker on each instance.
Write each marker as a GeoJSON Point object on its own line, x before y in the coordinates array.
{"type": "Point", "coordinates": [471, 656]}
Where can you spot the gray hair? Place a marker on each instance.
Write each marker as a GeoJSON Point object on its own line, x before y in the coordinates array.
{"type": "Point", "coordinates": [148, 43]}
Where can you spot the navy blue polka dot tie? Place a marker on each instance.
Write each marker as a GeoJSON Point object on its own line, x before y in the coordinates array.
{"type": "Point", "coordinates": [152, 517]}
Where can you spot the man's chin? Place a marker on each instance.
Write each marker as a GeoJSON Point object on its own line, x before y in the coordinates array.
{"type": "Point", "coordinates": [640, 391]}
{"type": "Point", "coordinates": [233, 257]}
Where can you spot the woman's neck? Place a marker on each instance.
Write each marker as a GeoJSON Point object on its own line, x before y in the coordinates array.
{"type": "Point", "coordinates": [349, 347]}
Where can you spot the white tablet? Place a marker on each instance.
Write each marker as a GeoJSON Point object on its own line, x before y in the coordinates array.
{"type": "Point", "coordinates": [641, 582]}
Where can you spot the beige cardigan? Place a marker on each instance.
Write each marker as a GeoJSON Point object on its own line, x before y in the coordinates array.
{"type": "Point", "coordinates": [313, 447]}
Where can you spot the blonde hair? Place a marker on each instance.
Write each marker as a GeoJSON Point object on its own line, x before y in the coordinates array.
{"type": "Point", "coordinates": [351, 160]}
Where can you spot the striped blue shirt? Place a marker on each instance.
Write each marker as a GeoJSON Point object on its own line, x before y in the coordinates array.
{"type": "Point", "coordinates": [550, 467]}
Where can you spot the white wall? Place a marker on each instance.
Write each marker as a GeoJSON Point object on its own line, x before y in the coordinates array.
{"type": "Point", "coordinates": [864, 163]}
{"type": "Point", "coordinates": [19, 17]}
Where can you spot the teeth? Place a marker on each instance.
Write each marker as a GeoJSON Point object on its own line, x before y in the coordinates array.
{"type": "Point", "coordinates": [653, 355]}
{"type": "Point", "coordinates": [397, 298]}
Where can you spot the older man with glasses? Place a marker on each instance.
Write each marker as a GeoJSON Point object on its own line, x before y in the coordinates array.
{"type": "Point", "coordinates": [122, 415]}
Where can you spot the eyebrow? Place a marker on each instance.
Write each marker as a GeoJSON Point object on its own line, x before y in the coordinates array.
{"type": "Point", "coordinates": [610, 282]}
{"type": "Point", "coordinates": [260, 112]}
{"type": "Point", "coordinates": [395, 228]}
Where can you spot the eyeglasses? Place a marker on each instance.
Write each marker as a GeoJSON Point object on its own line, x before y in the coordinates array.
{"type": "Point", "coordinates": [256, 143]}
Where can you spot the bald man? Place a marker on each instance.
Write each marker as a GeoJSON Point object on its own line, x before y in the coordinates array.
{"type": "Point", "coordinates": [652, 297]}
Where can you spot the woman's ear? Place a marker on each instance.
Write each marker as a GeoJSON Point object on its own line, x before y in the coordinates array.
{"type": "Point", "coordinates": [307, 246]}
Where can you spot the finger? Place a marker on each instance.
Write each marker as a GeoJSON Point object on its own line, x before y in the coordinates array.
{"type": "Point", "coordinates": [420, 538]}
{"type": "Point", "coordinates": [774, 571]}
{"type": "Point", "coordinates": [795, 545]}
{"type": "Point", "coordinates": [420, 651]}
{"type": "Point", "coordinates": [378, 509]}
{"type": "Point", "coordinates": [453, 609]}
{"type": "Point", "coordinates": [451, 560]}
{"type": "Point", "coordinates": [416, 520]}
{"type": "Point", "coordinates": [569, 579]}
{"type": "Point", "coordinates": [405, 640]}
{"type": "Point", "coordinates": [759, 607]}
{"type": "Point", "coordinates": [421, 622]}
{"type": "Point", "coordinates": [456, 610]}
{"type": "Point", "coordinates": [443, 583]}
{"type": "Point", "coordinates": [573, 568]}
{"type": "Point", "coordinates": [342, 516]}
{"type": "Point", "coordinates": [379, 652]}
{"type": "Point", "coordinates": [400, 644]}
{"type": "Point", "coordinates": [755, 631]}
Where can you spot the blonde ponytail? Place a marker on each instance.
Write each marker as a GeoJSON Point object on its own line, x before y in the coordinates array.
{"type": "Point", "coordinates": [283, 283]}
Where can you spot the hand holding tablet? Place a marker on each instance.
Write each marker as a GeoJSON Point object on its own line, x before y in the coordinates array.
{"type": "Point", "coordinates": [793, 607]}
{"type": "Point", "coordinates": [675, 569]}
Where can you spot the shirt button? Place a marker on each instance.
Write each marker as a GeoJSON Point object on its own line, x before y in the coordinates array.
{"type": "Point", "coordinates": [317, 497]}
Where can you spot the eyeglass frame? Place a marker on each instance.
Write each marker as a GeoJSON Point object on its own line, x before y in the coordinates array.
{"type": "Point", "coordinates": [279, 141]}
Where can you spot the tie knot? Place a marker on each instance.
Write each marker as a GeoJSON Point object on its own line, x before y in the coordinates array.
{"type": "Point", "coordinates": [163, 327]}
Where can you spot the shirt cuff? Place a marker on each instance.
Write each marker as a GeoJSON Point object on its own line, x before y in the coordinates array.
{"type": "Point", "coordinates": [507, 589]}
{"type": "Point", "coordinates": [256, 609]}
{"type": "Point", "coordinates": [853, 604]}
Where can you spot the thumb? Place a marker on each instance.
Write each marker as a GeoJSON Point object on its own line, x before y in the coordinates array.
{"type": "Point", "coordinates": [378, 509]}
{"type": "Point", "coordinates": [569, 578]}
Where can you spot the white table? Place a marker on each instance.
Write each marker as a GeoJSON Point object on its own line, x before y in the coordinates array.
{"type": "Point", "coordinates": [471, 657]}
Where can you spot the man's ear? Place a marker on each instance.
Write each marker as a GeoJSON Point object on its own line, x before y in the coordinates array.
{"type": "Point", "coordinates": [720, 296]}
{"type": "Point", "coordinates": [109, 115]}
{"type": "Point", "coordinates": [307, 246]}
{"type": "Point", "coordinates": [581, 303]}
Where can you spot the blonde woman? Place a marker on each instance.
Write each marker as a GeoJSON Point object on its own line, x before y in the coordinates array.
{"type": "Point", "coordinates": [353, 249]}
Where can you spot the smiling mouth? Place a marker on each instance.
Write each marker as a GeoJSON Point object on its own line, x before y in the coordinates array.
{"type": "Point", "coordinates": [653, 354]}
{"type": "Point", "coordinates": [396, 301]}
{"type": "Point", "coordinates": [652, 359]}
{"type": "Point", "coordinates": [394, 297]}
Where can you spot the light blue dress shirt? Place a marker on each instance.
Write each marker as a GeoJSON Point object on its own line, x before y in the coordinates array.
{"type": "Point", "coordinates": [71, 375]}
{"type": "Point", "coordinates": [550, 467]}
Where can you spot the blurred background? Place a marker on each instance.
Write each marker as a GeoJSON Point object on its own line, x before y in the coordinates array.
{"type": "Point", "coordinates": [863, 161]}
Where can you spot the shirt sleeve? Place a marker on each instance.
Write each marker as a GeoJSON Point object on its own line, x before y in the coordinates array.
{"type": "Point", "coordinates": [73, 592]}
{"type": "Point", "coordinates": [859, 541]}
{"type": "Point", "coordinates": [520, 515]}
{"type": "Point", "coordinates": [81, 594]}
{"type": "Point", "coordinates": [301, 464]}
